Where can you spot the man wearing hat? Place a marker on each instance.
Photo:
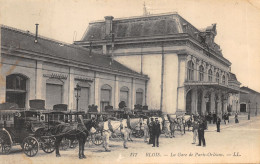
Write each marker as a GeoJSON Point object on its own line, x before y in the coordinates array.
{"type": "Point", "coordinates": [157, 132]}
{"type": "Point", "coordinates": [151, 134]}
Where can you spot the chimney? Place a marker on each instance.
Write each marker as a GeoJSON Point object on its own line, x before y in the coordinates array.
{"type": "Point", "coordinates": [109, 23]}
{"type": "Point", "coordinates": [36, 33]}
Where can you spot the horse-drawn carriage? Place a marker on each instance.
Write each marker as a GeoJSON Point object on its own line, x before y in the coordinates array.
{"type": "Point", "coordinates": [26, 128]}
{"type": "Point", "coordinates": [35, 129]}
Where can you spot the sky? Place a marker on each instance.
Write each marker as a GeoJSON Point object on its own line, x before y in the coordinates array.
{"type": "Point", "coordinates": [238, 23]}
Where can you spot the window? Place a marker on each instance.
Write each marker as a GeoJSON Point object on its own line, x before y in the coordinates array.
{"type": "Point", "coordinates": [16, 89]}
{"type": "Point", "coordinates": [139, 96]}
{"type": "Point", "coordinates": [105, 96]}
{"type": "Point", "coordinates": [223, 79]}
{"type": "Point", "coordinates": [124, 95]}
{"type": "Point", "coordinates": [217, 77]}
{"type": "Point", "coordinates": [210, 75]}
{"type": "Point", "coordinates": [201, 73]}
{"type": "Point", "coordinates": [54, 90]}
{"type": "Point", "coordinates": [190, 71]}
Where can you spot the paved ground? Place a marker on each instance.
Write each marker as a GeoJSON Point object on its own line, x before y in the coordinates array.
{"type": "Point", "coordinates": [235, 143]}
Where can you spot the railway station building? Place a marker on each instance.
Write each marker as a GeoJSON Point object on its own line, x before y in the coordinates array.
{"type": "Point", "coordinates": [161, 61]}
{"type": "Point", "coordinates": [186, 68]}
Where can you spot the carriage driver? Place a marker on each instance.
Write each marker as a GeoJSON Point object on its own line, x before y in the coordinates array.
{"type": "Point", "coordinates": [106, 134]}
{"type": "Point", "coordinates": [124, 131]}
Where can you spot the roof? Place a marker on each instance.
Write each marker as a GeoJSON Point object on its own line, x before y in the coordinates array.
{"type": "Point", "coordinates": [232, 76]}
{"type": "Point", "coordinates": [22, 40]}
{"type": "Point", "coordinates": [150, 25]}
{"type": "Point", "coordinates": [249, 90]}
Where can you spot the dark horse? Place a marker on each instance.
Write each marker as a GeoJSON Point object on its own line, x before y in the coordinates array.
{"type": "Point", "coordinates": [79, 130]}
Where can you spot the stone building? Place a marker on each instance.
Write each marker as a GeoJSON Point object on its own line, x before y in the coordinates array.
{"type": "Point", "coordinates": [187, 70]}
{"type": "Point", "coordinates": [34, 67]}
{"type": "Point", "coordinates": [249, 103]}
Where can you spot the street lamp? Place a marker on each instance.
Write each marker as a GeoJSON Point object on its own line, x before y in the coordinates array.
{"type": "Point", "coordinates": [249, 110]}
{"type": "Point", "coordinates": [77, 89]}
{"type": "Point", "coordinates": [236, 105]}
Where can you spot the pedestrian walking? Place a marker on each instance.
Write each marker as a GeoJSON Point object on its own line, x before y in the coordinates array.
{"type": "Point", "coordinates": [195, 127]}
{"type": "Point", "coordinates": [201, 131]}
{"type": "Point", "coordinates": [236, 118]}
{"type": "Point", "coordinates": [157, 132]}
{"type": "Point", "coordinates": [218, 124]}
{"type": "Point", "coordinates": [172, 128]}
{"type": "Point", "coordinates": [214, 118]}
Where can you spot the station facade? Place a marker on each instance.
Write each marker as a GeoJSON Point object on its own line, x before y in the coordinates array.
{"type": "Point", "coordinates": [186, 68]}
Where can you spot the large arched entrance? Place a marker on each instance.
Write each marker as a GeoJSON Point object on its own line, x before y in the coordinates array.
{"type": "Point", "coordinates": [216, 103]}
{"type": "Point", "coordinates": [188, 102]}
{"type": "Point", "coordinates": [16, 85]}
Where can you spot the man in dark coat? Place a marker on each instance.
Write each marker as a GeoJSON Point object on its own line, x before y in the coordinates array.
{"type": "Point", "coordinates": [201, 132]}
{"type": "Point", "coordinates": [214, 118]}
{"type": "Point", "coordinates": [156, 132]}
{"type": "Point", "coordinates": [150, 126]}
{"type": "Point", "coordinates": [218, 124]}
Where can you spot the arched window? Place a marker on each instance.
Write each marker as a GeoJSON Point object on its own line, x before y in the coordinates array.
{"type": "Point", "coordinates": [124, 95]}
{"type": "Point", "coordinates": [217, 77]}
{"type": "Point", "coordinates": [201, 71]}
{"type": "Point", "coordinates": [210, 75]}
{"type": "Point", "coordinates": [105, 97]}
{"type": "Point", "coordinates": [139, 96]}
{"type": "Point", "coordinates": [16, 89]}
{"type": "Point", "coordinates": [223, 79]}
{"type": "Point", "coordinates": [190, 73]}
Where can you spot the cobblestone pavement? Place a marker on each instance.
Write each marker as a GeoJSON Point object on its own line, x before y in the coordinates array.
{"type": "Point", "coordinates": [235, 143]}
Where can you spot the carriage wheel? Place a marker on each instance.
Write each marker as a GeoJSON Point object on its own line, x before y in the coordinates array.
{"type": "Point", "coordinates": [5, 142]}
{"type": "Point", "coordinates": [97, 139]}
{"type": "Point", "coordinates": [65, 144]}
{"type": "Point", "coordinates": [30, 146]}
{"type": "Point", "coordinates": [48, 145]}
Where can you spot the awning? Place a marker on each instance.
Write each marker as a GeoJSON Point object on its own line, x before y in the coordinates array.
{"type": "Point", "coordinates": [214, 85]}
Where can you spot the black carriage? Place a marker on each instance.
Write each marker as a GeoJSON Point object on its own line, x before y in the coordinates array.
{"type": "Point", "coordinates": [26, 128]}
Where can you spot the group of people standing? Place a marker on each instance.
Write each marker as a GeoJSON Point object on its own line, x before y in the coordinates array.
{"type": "Point", "coordinates": [153, 130]}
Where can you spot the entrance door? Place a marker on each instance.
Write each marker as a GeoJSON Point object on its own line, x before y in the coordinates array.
{"type": "Point", "coordinates": [199, 105]}
{"type": "Point", "coordinates": [242, 107]}
{"type": "Point", "coordinates": [188, 102]}
{"type": "Point", "coordinates": [53, 95]}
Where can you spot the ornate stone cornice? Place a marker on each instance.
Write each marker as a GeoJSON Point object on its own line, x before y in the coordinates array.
{"type": "Point", "coordinates": [80, 78]}
{"type": "Point", "coordinates": [56, 76]}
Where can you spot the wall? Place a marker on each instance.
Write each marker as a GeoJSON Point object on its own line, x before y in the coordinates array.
{"type": "Point", "coordinates": [170, 83]}
{"type": "Point", "coordinates": [254, 102]}
{"type": "Point", "coordinates": [152, 67]}
{"type": "Point", "coordinates": [37, 81]}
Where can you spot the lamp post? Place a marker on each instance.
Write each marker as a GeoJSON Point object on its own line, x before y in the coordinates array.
{"type": "Point", "coordinates": [256, 109]}
{"type": "Point", "coordinates": [77, 89]}
{"type": "Point", "coordinates": [249, 110]}
{"type": "Point", "coordinates": [236, 105]}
